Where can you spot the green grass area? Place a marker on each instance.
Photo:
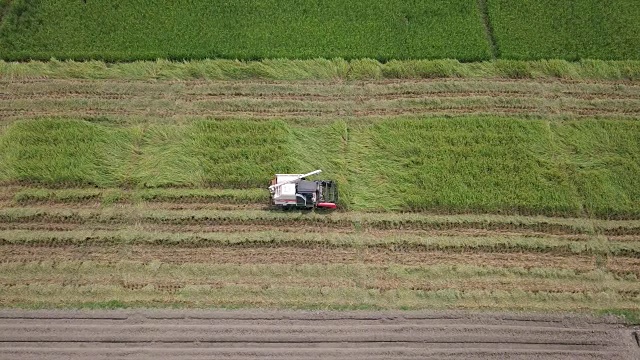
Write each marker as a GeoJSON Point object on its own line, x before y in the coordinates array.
{"type": "Point", "coordinates": [631, 316]}
{"type": "Point", "coordinates": [543, 29]}
{"type": "Point", "coordinates": [63, 152]}
{"type": "Point", "coordinates": [271, 29]}
{"type": "Point", "coordinates": [468, 165]}
{"type": "Point", "coordinates": [499, 165]}
{"type": "Point", "coordinates": [235, 154]}
{"type": "Point", "coordinates": [243, 29]}
{"type": "Point", "coordinates": [119, 195]}
{"type": "Point", "coordinates": [494, 165]}
{"type": "Point", "coordinates": [603, 159]}
{"type": "Point", "coordinates": [320, 69]}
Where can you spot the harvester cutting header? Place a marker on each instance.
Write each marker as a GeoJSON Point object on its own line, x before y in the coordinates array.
{"type": "Point", "coordinates": [295, 191]}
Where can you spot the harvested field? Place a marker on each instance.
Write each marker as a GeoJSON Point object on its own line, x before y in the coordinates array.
{"type": "Point", "coordinates": [313, 335]}
{"type": "Point", "coordinates": [140, 254]}
{"type": "Point", "coordinates": [175, 100]}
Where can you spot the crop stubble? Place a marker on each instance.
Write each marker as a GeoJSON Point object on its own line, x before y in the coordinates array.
{"type": "Point", "coordinates": [241, 258]}
{"type": "Point", "coordinates": [154, 101]}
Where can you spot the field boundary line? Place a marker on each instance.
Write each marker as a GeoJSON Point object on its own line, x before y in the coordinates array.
{"type": "Point", "coordinates": [486, 21]}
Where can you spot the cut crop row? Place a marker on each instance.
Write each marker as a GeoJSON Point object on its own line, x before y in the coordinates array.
{"type": "Point", "coordinates": [388, 277]}
{"type": "Point", "coordinates": [186, 107]}
{"type": "Point", "coordinates": [352, 220]}
{"type": "Point", "coordinates": [395, 242]}
{"type": "Point", "coordinates": [307, 297]}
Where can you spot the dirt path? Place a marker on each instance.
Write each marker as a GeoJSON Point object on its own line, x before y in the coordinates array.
{"type": "Point", "coordinates": [311, 335]}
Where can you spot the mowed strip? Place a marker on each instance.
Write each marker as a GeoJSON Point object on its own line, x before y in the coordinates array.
{"type": "Point", "coordinates": [172, 100]}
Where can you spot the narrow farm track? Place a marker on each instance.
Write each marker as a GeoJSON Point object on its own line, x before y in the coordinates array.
{"type": "Point", "coordinates": [311, 335]}
{"type": "Point", "coordinates": [257, 99]}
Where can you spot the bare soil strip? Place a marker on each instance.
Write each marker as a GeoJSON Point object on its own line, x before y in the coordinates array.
{"type": "Point", "coordinates": [224, 99]}
{"type": "Point", "coordinates": [315, 335]}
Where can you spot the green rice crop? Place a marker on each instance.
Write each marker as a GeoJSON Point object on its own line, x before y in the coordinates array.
{"type": "Point", "coordinates": [490, 165]}
{"type": "Point", "coordinates": [242, 29]}
{"type": "Point", "coordinates": [111, 195]}
{"type": "Point", "coordinates": [578, 29]}
{"type": "Point", "coordinates": [603, 159]}
{"type": "Point", "coordinates": [236, 154]}
{"type": "Point", "coordinates": [63, 152]}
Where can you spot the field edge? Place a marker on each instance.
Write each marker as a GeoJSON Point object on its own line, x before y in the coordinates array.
{"type": "Point", "coordinates": [322, 69]}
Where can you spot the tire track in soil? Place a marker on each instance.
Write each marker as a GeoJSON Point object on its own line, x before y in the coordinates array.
{"type": "Point", "coordinates": [174, 334]}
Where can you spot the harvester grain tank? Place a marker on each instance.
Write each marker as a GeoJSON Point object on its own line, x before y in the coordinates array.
{"type": "Point", "coordinates": [295, 191]}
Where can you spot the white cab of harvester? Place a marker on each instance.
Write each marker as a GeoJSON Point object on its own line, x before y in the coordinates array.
{"type": "Point", "coordinates": [286, 193]}
{"type": "Point", "coordinates": [294, 191]}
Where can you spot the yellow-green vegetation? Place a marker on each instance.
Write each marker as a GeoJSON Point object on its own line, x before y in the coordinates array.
{"type": "Point", "coordinates": [321, 69]}
{"type": "Point", "coordinates": [478, 165]}
{"type": "Point", "coordinates": [506, 184]}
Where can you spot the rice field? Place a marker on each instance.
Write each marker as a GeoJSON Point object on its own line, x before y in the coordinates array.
{"type": "Point", "coordinates": [243, 29]}
{"type": "Point", "coordinates": [275, 29]}
{"type": "Point", "coordinates": [571, 30]}
{"type": "Point", "coordinates": [507, 185]}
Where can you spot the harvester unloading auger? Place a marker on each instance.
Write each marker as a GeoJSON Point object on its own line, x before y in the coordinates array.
{"type": "Point", "coordinates": [295, 191]}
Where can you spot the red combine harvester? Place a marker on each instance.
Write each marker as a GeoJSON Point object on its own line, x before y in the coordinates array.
{"type": "Point", "coordinates": [295, 191]}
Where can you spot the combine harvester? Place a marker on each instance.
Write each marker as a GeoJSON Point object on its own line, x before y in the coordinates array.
{"type": "Point", "coordinates": [290, 191]}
